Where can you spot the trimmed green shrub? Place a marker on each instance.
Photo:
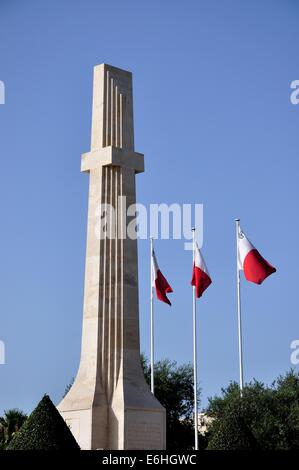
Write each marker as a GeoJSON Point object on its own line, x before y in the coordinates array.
{"type": "Point", "coordinates": [45, 429]}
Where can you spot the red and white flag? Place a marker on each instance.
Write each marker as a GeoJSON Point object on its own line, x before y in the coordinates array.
{"type": "Point", "coordinates": [256, 268]}
{"type": "Point", "coordinates": [159, 282]}
{"type": "Point", "coordinates": [200, 275]}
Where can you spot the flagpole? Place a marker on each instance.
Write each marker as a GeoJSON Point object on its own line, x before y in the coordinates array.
{"type": "Point", "coordinates": [195, 352]}
{"type": "Point", "coordinates": [152, 321]}
{"type": "Point", "coordinates": [239, 309]}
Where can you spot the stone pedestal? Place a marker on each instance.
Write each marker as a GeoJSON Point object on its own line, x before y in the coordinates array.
{"type": "Point", "coordinates": [110, 405]}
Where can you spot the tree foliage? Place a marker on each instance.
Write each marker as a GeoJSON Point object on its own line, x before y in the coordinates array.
{"type": "Point", "coordinates": [10, 423]}
{"type": "Point", "coordinates": [174, 390]}
{"type": "Point", "coordinates": [264, 417]}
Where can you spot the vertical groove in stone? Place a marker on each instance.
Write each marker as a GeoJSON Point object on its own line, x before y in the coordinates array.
{"type": "Point", "coordinates": [102, 284]}
{"type": "Point", "coordinates": [112, 112]}
{"type": "Point", "coordinates": [121, 120]}
{"type": "Point", "coordinates": [109, 291]}
{"type": "Point", "coordinates": [121, 257]}
{"type": "Point", "coordinates": [125, 142]}
{"type": "Point", "coordinates": [117, 97]}
{"type": "Point", "coordinates": [119, 284]}
{"type": "Point", "coordinates": [112, 283]}
{"type": "Point", "coordinates": [106, 287]}
{"type": "Point", "coordinates": [102, 280]}
{"type": "Point", "coordinates": [120, 279]}
{"type": "Point", "coordinates": [108, 113]}
{"type": "Point", "coordinates": [116, 261]}
{"type": "Point", "coordinates": [104, 139]}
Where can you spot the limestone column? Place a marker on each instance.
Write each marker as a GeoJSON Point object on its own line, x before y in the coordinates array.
{"type": "Point", "coordinates": [110, 405]}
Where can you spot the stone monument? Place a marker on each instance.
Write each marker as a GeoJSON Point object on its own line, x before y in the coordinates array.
{"type": "Point", "coordinates": [110, 406]}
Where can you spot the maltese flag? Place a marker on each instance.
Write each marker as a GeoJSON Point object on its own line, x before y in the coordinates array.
{"type": "Point", "coordinates": [256, 268]}
{"type": "Point", "coordinates": [159, 282]}
{"type": "Point", "coordinates": [200, 275]}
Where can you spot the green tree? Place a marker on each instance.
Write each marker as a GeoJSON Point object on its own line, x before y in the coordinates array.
{"type": "Point", "coordinates": [174, 390]}
{"type": "Point", "coordinates": [45, 429]}
{"type": "Point", "coordinates": [10, 423]}
{"type": "Point", "coordinates": [265, 417]}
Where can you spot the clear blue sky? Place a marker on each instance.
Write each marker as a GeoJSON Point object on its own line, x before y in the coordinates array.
{"type": "Point", "coordinates": [214, 120]}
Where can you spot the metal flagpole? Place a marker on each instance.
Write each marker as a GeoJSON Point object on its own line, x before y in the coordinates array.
{"type": "Point", "coordinates": [152, 321]}
{"type": "Point", "coordinates": [239, 308]}
{"type": "Point", "coordinates": [195, 353]}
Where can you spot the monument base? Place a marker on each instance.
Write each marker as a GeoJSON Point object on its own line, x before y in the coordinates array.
{"type": "Point", "coordinates": [115, 426]}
